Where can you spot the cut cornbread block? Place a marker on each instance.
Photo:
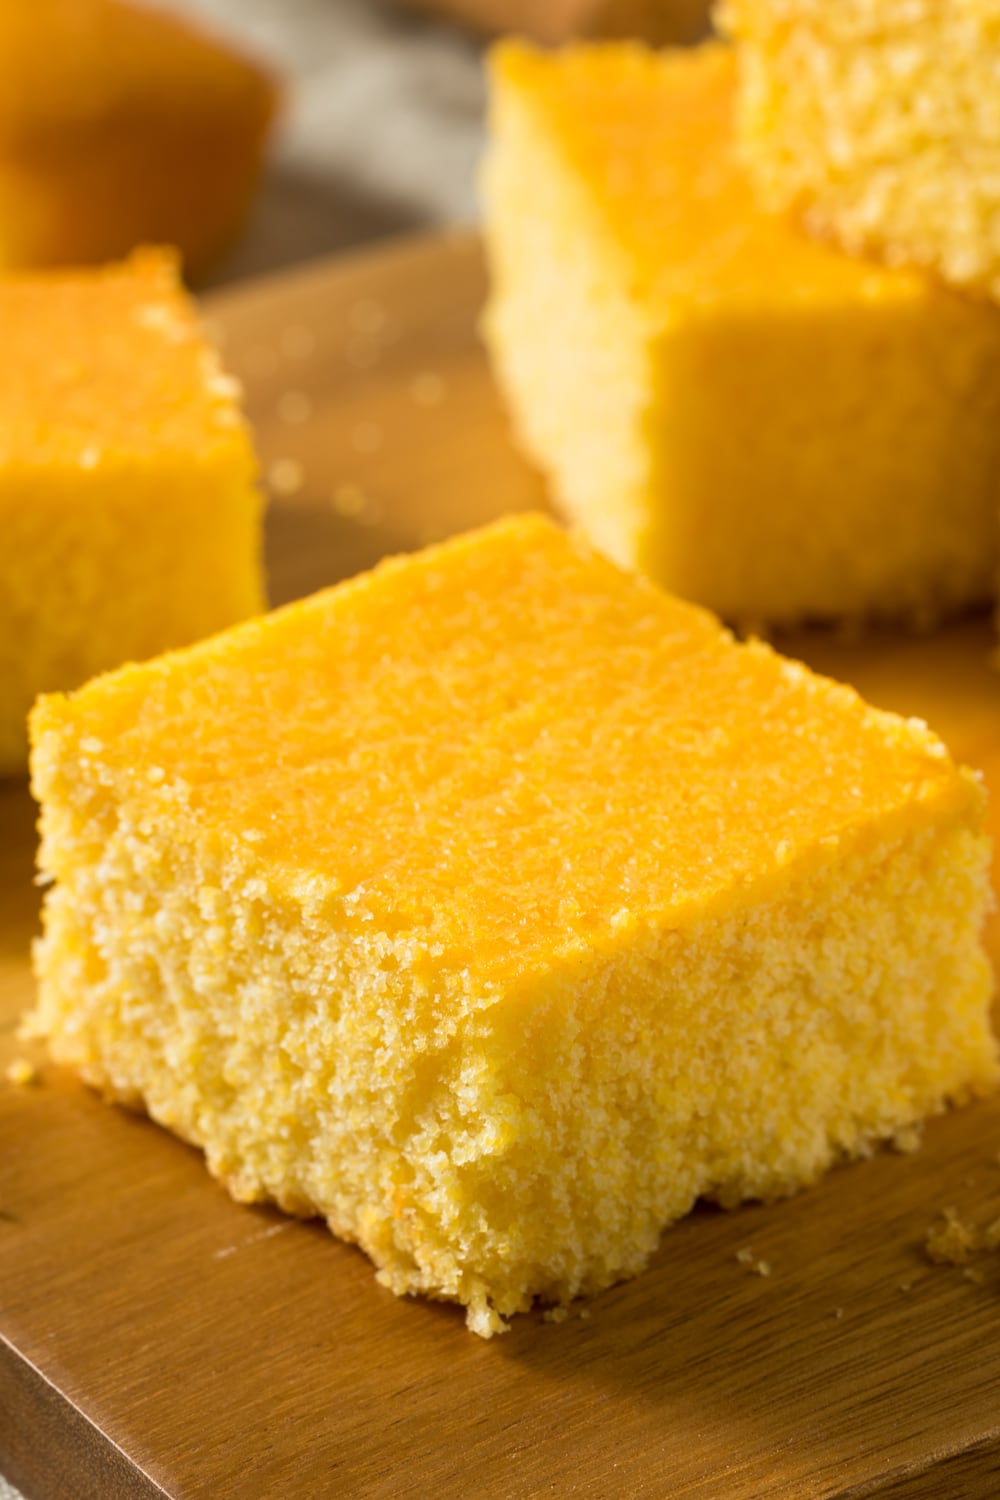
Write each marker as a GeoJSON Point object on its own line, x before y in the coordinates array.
{"type": "Point", "coordinates": [659, 21]}
{"type": "Point", "coordinates": [495, 906]}
{"type": "Point", "coordinates": [876, 121]}
{"type": "Point", "coordinates": [122, 125]}
{"type": "Point", "coordinates": [128, 508]}
{"type": "Point", "coordinates": [760, 423]}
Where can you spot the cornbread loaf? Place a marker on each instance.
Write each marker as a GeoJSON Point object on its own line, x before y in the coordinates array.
{"type": "Point", "coordinates": [128, 509]}
{"type": "Point", "coordinates": [760, 423]}
{"type": "Point", "coordinates": [876, 121]}
{"type": "Point", "coordinates": [659, 21]}
{"type": "Point", "coordinates": [496, 906]}
{"type": "Point", "coordinates": [122, 125]}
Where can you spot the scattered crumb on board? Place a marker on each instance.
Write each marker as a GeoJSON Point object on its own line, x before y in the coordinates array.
{"type": "Point", "coordinates": [953, 1242]}
{"type": "Point", "coordinates": [753, 1263]}
{"type": "Point", "coordinates": [21, 1072]}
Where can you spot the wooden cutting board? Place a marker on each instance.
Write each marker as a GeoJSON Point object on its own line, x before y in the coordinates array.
{"type": "Point", "coordinates": [157, 1339]}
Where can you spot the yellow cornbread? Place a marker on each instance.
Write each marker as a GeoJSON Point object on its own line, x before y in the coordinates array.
{"type": "Point", "coordinates": [128, 512]}
{"type": "Point", "coordinates": [757, 421]}
{"type": "Point", "coordinates": [121, 124]}
{"type": "Point", "coordinates": [495, 906]}
{"type": "Point", "coordinates": [879, 122]}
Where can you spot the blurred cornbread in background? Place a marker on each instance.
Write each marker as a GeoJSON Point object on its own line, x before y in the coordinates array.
{"type": "Point", "coordinates": [878, 121]}
{"type": "Point", "coordinates": [120, 125]}
{"type": "Point", "coordinates": [554, 21]}
{"type": "Point", "coordinates": [129, 516]}
{"type": "Point", "coordinates": [496, 906]}
{"type": "Point", "coordinates": [762, 423]}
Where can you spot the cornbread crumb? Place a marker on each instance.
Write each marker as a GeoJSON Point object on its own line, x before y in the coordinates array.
{"type": "Point", "coordinates": [747, 1258]}
{"type": "Point", "coordinates": [510, 974]}
{"type": "Point", "coordinates": [907, 1141]}
{"type": "Point", "coordinates": [129, 512]}
{"type": "Point", "coordinates": [21, 1072]}
{"type": "Point", "coordinates": [641, 304]}
{"type": "Point", "coordinates": [953, 1242]}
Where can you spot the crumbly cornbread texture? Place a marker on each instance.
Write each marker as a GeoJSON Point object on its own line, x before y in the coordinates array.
{"type": "Point", "coordinates": [879, 122]}
{"type": "Point", "coordinates": [495, 906]}
{"type": "Point", "coordinates": [122, 125]}
{"type": "Point", "coordinates": [129, 517]}
{"type": "Point", "coordinates": [757, 421]}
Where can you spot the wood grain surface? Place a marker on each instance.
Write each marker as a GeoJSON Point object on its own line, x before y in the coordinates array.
{"type": "Point", "coordinates": [158, 1339]}
{"type": "Point", "coordinates": [662, 22]}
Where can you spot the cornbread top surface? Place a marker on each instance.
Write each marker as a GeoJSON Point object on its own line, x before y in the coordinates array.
{"type": "Point", "coordinates": [506, 744]}
{"type": "Point", "coordinates": [648, 137]}
{"type": "Point", "coordinates": [109, 363]}
{"type": "Point", "coordinates": [70, 64]}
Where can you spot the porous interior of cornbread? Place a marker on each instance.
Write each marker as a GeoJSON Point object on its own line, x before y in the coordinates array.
{"type": "Point", "coordinates": [128, 508]}
{"type": "Point", "coordinates": [121, 124]}
{"type": "Point", "coordinates": [877, 120]}
{"type": "Point", "coordinates": [496, 906]}
{"type": "Point", "coordinates": [757, 421]}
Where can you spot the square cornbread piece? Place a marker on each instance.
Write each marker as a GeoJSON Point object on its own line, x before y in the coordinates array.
{"type": "Point", "coordinates": [758, 422]}
{"type": "Point", "coordinates": [876, 121]}
{"type": "Point", "coordinates": [123, 125]}
{"type": "Point", "coordinates": [128, 509]}
{"type": "Point", "coordinates": [496, 906]}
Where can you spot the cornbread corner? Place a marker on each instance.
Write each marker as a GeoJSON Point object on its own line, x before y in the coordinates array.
{"type": "Point", "coordinates": [760, 423]}
{"type": "Point", "coordinates": [128, 508]}
{"type": "Point", "coordinates": [496, 906]}
{"type": "Point", "coordinates": [122, 125]}
{"type": "Point", "coordinates": [875, 120]}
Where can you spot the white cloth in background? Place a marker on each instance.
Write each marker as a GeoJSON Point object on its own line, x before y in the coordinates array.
{"type": "Point", "coordinates": [382, 130]}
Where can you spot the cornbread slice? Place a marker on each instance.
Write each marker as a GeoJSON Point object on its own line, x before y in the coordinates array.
{"type": "Point", "coordinates": [122, 125]}
{"type": "Point", "coordinates": [877, 121]}
{"type": "Point", "coordinates": [758, 422]}
{"type": "Point", "coordinates": [128, 509]}
{"type": "Point", "coordinates": [495, 906]}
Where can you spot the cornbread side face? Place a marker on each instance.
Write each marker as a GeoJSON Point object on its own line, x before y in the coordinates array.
{"type": "Point", "coordinates": [877, 121]}
{"type": "Point", "coordinates": [128, 508]}
{"type": "Point", "coordinates": [122, 125]}
{"type": "Point", "coordinates": [758, 422]}
{"type": "Point", "coordinates": [496, 906]}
